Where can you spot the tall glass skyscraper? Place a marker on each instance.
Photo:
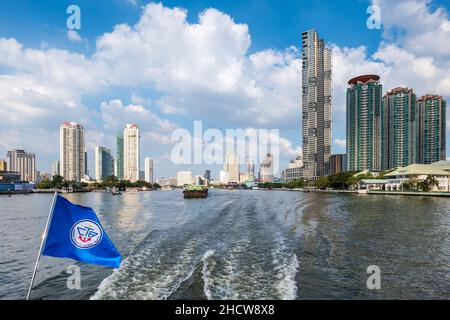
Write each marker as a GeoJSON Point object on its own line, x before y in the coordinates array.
{"type": "Point", "coordinates": [432, 129]}
{"type": "Point", "coordinates": [104, 163]}
{"type": "Point", "coordinates": [316, 105]}
{"type": "Point", "coordinates": [119, 155]}
{"type": "Point", "coordinates": [399, 139]}
{"type": "Point", "coordinates": [364, 97]}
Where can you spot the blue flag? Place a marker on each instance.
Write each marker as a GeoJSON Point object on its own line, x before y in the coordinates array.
{"type": "Point", "coordinates": [75, 232]}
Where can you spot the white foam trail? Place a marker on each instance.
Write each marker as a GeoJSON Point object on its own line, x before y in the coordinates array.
{"type": "Point", "coordinates": [143, 276]}
{"type": "Point", "coordinates": [286, 268]}
{"type": "Point", "coordinates": [287, 285]}
{"type": "Point", "coordinates": [206, 273]}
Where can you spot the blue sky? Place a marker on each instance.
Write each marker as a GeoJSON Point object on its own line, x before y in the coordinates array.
{"type": "Point", "coordinates": [54, 76]}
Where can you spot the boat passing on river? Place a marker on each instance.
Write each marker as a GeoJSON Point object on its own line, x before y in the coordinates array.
{"type": "Point", "coordinates": [195, 192]}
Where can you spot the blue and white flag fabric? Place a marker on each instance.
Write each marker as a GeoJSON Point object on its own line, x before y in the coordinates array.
{"type": "Point", "coordinates": [75, 232]}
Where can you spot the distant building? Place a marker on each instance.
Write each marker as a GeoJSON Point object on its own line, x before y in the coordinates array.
{"type": "Point", "coordinates": [131, 153]}
{"type": "Point", "coordinates": [399, 138]}
{"type": "Point", "coordinates": [55, 169]}
{"type": "Point", "coordinates": [243, 178]}
{"type": "Point", "coordinates": [149, 170]}
{"type": "Point", "coordinates": [232, 167]}
{"type": "Point", "coordinates": [338, 163]}
{"type": "Point", "coordinates": [119, 156]}
{"type": "Point", "coordinates": [364, 97]}
{"type": "Point", "coordinates": [207, 175]}
{"type": "Point", "coordinates": [250, 170]}
{"type": "Point", "coordinates": [104, 163]}
{"type": "Point", "coordinates": [86, 170]}
{"type": "Point", "coordinates": [3, 165]}
{"type": "Point", "coordinates": [294, 170]}
{"type": "Point", "coordinates": [72, 151]}
{"type": "Point", "coordinates": [316, 104]}
{"type": "Point", "coordinates": [224, 177]}
{"type": "Point", "coordinates": [184, 178]}
{"type": "Point", "coordinates": [24, 163]}
{"type": "Point", "coordinates": [432, 129]}
{"type": "Point", "coordinates": [266, 173]}
{"type": "Point", "coordinates": [171, 182]}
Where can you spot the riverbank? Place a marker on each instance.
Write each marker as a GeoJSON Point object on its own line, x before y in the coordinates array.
{"type": "Point", "coordinates": [370, 192]}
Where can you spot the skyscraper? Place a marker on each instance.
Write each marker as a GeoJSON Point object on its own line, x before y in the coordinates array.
{"type": "Point", "coordinates": [119, 156]}
{"type": "Point", "coordinates": [316, 105]}
{"type": "Point", "coordinates": [232, 167]}
{"type": "Point", "coordinates": [104, 163]}
{"type": "Point", "coordinates": [364, 97]}
{"type": "Point", "coordinates": [55, 168]}
{"type": "Point", "coordinates": [432, 129]}
{"type": "Point", "coordinates": [72, 151]}
{"type": "Point", "coordinates": [24, 163]}
{"type": "Point", "coordinates": [399, 137]}
{"type": "Point", "coordinates": [131, 153]}
{"type": "Point", "coordinates": [149, 170]}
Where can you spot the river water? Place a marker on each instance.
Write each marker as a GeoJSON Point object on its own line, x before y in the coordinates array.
{"type": "Point", "coordinates": [239, 245]}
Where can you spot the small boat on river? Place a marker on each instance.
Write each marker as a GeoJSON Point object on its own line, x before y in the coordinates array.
{"type": "Point", "coordinates": [195, 192]}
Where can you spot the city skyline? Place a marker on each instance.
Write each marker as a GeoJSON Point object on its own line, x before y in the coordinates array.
{"type": "Point", "coordinates": [103, 107]}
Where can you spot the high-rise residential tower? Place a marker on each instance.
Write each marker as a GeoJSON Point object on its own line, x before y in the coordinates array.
{"type": "Point", "coordinates": [131, 153]}
{"type": "Point", "coordinates": [316, 105]}
{"type": "Point", "coordinates": [364, 98]}
{"type": "Point", "coordinates": [119, 156]}
{"type": "Point", "coordinates": [149, 170]}
{"type": "Point", "coordinates": [399, 135]}
{"type": "Point", "coordinates": [432, 129]}
{"type": "Point", "coordinates": [24, 163]}
{"type": "Point", "coordinates": [104, 163]}
{"type": "Point", "coordinates": [232, 167]}
{"type": "Point", "coordinates": [250, 170]}
{"type": "Point", "coordinates": [72, 151]}
{"type": "Point", "coordinates": [55, 168]}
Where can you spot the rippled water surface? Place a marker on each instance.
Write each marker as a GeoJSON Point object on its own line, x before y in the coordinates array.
{"type": "Point", "coordinates": [240, 245]}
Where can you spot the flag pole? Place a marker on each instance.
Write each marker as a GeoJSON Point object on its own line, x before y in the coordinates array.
{"type": "Point", "coordinates": [44, 237]}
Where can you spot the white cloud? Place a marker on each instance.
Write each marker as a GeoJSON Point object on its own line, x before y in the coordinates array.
{"type": "Point", "coordinates": [72, 35]}
{"type": "Point", "coordinates": [340, 143]}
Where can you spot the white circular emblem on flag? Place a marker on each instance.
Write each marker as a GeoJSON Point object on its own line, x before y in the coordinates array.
{"type": "Point", "coordinates": [86, 234]}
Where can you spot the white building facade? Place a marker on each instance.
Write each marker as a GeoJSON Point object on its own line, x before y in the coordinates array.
{"type": "Point", "coordinates": [72, 151]}
{"type": "Point", "coordinates": [131, 153]}
{"type": "Point", "coordinates": [149, 170]}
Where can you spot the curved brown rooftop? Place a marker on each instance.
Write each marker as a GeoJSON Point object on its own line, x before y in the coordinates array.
{"type": "Point", "coordinates": [364, 79]}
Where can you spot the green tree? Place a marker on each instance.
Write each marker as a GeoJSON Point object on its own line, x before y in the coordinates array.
{"type": "Point", "coordinates": [322, 183]}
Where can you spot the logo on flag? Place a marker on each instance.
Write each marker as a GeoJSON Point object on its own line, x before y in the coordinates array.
{"type": "Point", "coordinates": [86, 234]}
{"type": "Point", "coordinates": [75, 232]}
